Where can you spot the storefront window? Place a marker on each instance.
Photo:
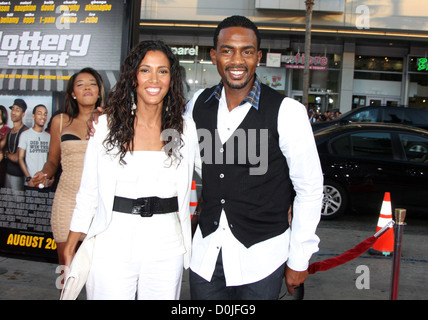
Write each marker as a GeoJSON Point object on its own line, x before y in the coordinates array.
{"type": "Point", "coordinates": [378, 68]}
{"type": "Point", "coordinates": [273, 77]}
{"type": "Point", "coordinates": [418, 64]}
{"type": "Point", "coordinates": [377, 81]}
{"type": "Point", "coordinates": [319, 81]}
{"type": "Point", "coordinates": [198, 75]}
{"type": "Point", "coordinates": [367, 63]}
{"type": "Point", "coordinates": [197, 68]}
{"type": "Point", "coordinates": [418, 82]}
{"type": "Point", "coordinates": [323, 88]}
{"type": "Point", "coordinates": [377, 76]}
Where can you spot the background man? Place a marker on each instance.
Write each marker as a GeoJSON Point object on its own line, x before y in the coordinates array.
{"type": "Point", "coordinates": [33, 145]}
{"type": "Point", "coordinates": [14, 176]}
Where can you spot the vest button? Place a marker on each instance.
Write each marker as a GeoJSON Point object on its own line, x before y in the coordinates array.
{"type": "Point", "coordinates": [221, 150]}
{"type": "Point", "coordinates": [222, 201]}
{"type": "Point", "coordinates": [215, 223]}
{"type": "Point", "coordinates": [221, 175]}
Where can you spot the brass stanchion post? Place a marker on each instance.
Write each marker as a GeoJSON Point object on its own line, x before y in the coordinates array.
{"type": "Point", "coordinates": [400, 215]}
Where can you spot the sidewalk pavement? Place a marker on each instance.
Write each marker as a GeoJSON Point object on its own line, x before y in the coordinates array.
{"type": "Point", "coordinates": [364, 278]}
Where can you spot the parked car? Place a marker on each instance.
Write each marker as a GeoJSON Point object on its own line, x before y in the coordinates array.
{"type": "Point", "coordinates": [385, 114]}
{"type": "Point", "coordinates": [362, 161]}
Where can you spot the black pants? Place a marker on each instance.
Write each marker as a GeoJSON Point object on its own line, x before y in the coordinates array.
{"type": "Point", "coordinates": [266, 289]}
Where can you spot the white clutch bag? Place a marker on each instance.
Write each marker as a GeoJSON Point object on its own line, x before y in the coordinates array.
{"type": "Point", "coordinates": [79, 270]}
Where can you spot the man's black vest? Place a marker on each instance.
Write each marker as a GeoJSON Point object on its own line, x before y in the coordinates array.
{"type": "Point", "coordinates": [256, 205]}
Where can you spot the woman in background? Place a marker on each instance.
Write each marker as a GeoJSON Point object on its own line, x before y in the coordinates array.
{"type": "Point", "coordinates": [84, 93]}
{"type": "Point", "coordinates": [4, 129]}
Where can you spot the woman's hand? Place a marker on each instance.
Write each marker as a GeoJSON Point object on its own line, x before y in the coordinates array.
{"type": "Point", "coordinates": [40, 178]}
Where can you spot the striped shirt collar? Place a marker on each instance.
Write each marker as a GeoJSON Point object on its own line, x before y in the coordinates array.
{"type": "Point", "coordinates": [252, 98]}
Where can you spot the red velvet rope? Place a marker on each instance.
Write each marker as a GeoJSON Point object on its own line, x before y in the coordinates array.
{"type": "Point", "coordinates": [343, 258]}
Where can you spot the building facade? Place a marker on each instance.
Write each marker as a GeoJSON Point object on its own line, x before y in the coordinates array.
{"type": "Point", "coordinates": [363, 52]}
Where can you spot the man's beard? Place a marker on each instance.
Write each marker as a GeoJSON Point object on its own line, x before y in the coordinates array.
{"type": "Point", "coordinates": [239, 85]}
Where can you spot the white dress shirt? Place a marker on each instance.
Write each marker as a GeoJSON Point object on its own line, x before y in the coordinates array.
{"type": "Point", "coordinates": [247, 265]}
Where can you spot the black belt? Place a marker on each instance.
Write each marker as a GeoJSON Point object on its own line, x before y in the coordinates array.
{"type": "Point", "coordinates": [145, 207]}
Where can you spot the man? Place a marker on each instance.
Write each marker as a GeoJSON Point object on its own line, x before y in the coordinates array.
{"type": "Point", "coordinates": [14, 176]}
{"type": "Point", "coordinates": [33, 145]}
{"type": "Point", "coordinates": [244, 240]}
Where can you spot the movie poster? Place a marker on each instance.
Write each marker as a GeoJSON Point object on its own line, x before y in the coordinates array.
{"type": "Point", "coordinates": [42, 44]}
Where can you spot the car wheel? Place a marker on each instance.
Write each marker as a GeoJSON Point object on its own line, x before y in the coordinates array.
{"type": "Point", "coordinates": [335, 200]}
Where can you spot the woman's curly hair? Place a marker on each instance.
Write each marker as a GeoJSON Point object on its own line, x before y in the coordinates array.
{"type": "Point", "coordinates": [118, 109]}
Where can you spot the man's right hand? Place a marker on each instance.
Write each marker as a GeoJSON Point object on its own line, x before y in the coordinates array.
{"type": "Point", "coordinates": [90, 123]}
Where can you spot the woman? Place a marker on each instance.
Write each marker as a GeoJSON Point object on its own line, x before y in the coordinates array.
{"type": "Point", "coordinates": [84, 93]}
{"type": "Point", "coordinates": [4, 129]}
{"type": "Point", "coordinates": [134, 196]}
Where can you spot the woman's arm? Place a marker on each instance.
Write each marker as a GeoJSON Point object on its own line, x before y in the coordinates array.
{"type": "Point", "coordinates": [70, 246]}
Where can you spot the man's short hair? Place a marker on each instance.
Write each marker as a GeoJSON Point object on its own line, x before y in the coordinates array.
{"type": "Point", "coordinates": [237, 21]}
{"type": "Point", "coordinates": [39, 105]}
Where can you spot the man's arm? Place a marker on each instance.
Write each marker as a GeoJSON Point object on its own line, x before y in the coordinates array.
{"type": "Point", "coordinates": [21, 161]}
{"type": "Point", "coordinates": [298, 146]}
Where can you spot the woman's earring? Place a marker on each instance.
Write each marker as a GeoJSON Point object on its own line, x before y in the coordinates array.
{"type": "Point", "coordinates": [167, 113]}
{"type": "Point", "coordinates": [133, 105]}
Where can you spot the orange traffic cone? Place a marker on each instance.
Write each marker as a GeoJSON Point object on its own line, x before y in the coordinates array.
{"type": "Point", "coordinates": [385, 244]}
{"type": "Point", "coordinates": [193, 199]}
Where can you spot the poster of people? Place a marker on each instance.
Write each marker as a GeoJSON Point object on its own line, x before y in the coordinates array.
{"type": "Point", "coordinates": [42, 44]}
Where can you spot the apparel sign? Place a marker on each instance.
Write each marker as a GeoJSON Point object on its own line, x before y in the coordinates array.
{"type": "Point", "coordinates": [42, 44]}
{"type": "Point", "coordinates": [181, 51]}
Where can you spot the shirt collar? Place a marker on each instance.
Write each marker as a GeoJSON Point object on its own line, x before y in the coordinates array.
{"type": "Point", "coordinates": [252, 98]}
